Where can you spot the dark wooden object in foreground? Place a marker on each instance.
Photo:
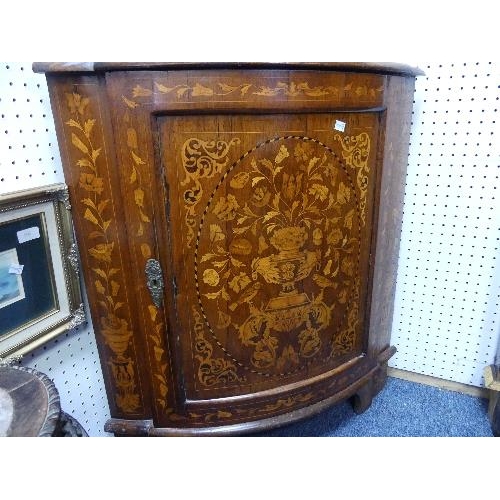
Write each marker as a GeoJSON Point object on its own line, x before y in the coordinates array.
{"type": "Point", "coordinates": [492, 383]}
{"type": "Point", "coordinates": [29, 403]}
{"type": "Point", "coordinates": [239, 231]}
{"type": "Point", "coordinates": [30, 406]}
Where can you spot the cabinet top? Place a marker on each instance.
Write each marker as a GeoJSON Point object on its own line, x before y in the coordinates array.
{"type": "Point", "coordinates": [361, 67]}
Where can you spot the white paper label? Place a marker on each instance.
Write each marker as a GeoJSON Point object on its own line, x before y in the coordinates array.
{"type": "Point", "coordinates": [32, 233]}
{"type": "Point", "coordinates": [16, 269]}
{"type": "Point", "coordinates": [340, 126]}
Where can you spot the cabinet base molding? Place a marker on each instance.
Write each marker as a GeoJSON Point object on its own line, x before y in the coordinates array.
{"type": "Point", "coordinates": [360, 393]}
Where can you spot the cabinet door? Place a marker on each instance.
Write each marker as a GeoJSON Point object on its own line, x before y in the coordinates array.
{"type": "Point", "coordinates": [266, 246]}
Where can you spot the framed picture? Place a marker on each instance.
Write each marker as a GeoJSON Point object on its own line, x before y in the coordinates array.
{"type": "Point", "coordinates": [40, 294]}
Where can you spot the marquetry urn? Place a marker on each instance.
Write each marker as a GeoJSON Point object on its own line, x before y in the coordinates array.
{"type": "Point", "coordinates": [238, 226]}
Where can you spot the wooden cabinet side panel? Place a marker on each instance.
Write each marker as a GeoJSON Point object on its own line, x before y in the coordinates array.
{"type": "Point", "coordinates": [398, 100]}
{"type": "Point", "coordinates": [87, 151]}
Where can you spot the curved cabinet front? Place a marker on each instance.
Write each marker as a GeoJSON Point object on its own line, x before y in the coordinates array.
{"type": "Point", "coordinates": [270, 204]}
{"type": "Point", "coordinates": [270, 221]}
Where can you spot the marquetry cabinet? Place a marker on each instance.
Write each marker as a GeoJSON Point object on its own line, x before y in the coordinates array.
{"type": "Point", "coordinates": [238, 226]}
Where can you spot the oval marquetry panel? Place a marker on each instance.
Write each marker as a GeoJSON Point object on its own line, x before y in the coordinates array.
{"type": "Point", "coordinates": [280, 262]}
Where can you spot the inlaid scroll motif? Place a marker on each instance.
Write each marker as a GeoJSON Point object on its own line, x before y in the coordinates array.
{"type": "Point", "coordinates": [294, 89]}
{"type": "Point", "coordinates": [201, 159]}
{"type": "Point", "coordinates": [290, 402]}
{"type": "Point", "coordinates": [356, 151]}
{"type": "Point", "coordinates": [344, 341]}
{"type": "Point", "coordinates": [281, 253]}
{"type": "Point", "coordinates": [96, 206]}
{"type": "Point", "coordinates": [199, 418]}
{"type": "Point", "coordinates": [287, 402]}
{"type": "Point", "coordinates": [211, 371]}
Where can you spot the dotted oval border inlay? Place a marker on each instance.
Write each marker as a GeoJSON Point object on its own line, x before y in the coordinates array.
{"type": "Point", "coordinates": [209, 202]}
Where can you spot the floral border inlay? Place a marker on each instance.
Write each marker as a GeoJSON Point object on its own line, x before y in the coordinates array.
{"type": "Point", "coordinates": [137, 163]}
{"type": "Point", "coordinates": [244, 90]}
{"type": "Point", "coordinates": [97, 211]}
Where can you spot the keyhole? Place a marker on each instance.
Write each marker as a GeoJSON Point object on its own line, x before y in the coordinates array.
{"type": "Point", "coordinates": [155, 283]}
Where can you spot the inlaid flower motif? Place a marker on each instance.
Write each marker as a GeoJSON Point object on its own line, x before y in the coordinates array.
{"type": "Point", "coordinates": [102, 251]}
{"type": "Point", "coordinates": [309, 341]}
{"type": "Point", "coordinates": [240, 246]}
{"type": "Point", "coordinates": [335, 236]}
{"type": "Point", "coordinates": [91, 183]}
{"type": "Point", "coordinates": [225, 208]}
{"type": "Point", "coordinates": [123, 372]}
{"type": "Point", "coordinates": [292, 186]}
{"type": "Point", "coordinates": [343, 194]}
{"type": "Point", "coordinates": [239, 180]}
{"type": "Point", "coordinates": [211, 277]}
{"type": "Point", "coordinates": [282, 155]}
{"type": "Point", "coordinates": [128, 402]}
{"type": "Point", "coordinates": [347, 267]}
{"type": "Point", "coordinates": [303, 152]}
{"type": "Point", "coordinates": [76, 103]}
{"type": "Point", "coordinates": [342, 295]}
{"type": "Point", "coordinates": [294, 224]}
{"type": "Point", "coordinates": [216, 233]}
{"type": "Point", "coordinates": [260, 196]}
{"type": "Point", "coordinates": [289, 355]}
{"type": "Point", "coordinates": [239, 282]}
{"type": "Point", "coordinates": [319, 192]}
{"type": "Point", "coordinates": [317, 236]}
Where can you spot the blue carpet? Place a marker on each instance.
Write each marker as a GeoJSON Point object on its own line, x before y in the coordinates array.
{"type": "Point", "coordinates": [402, 409]}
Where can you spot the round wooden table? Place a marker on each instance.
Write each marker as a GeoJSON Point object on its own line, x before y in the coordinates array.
{"type": "Point", "coordinates": [30, 405]}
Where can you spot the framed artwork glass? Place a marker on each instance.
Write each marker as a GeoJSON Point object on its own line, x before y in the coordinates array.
{"type": "Point", "coordinates": [40, 293]}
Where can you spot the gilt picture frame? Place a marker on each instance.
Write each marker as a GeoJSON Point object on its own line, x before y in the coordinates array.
{"type": "Point", "coordinates": [40, 289]}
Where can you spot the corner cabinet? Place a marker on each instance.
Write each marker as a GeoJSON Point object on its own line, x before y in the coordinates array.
{"type": "Point", "coordinates": [238, 226]}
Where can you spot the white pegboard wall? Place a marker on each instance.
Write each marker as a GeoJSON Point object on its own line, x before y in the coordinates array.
{"type": "Point", "coordinates": [28, 144]}
{"type": "Point", "coordinates": [447, 314]}
{"type": "Point", "coordinates": [29, 157]}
